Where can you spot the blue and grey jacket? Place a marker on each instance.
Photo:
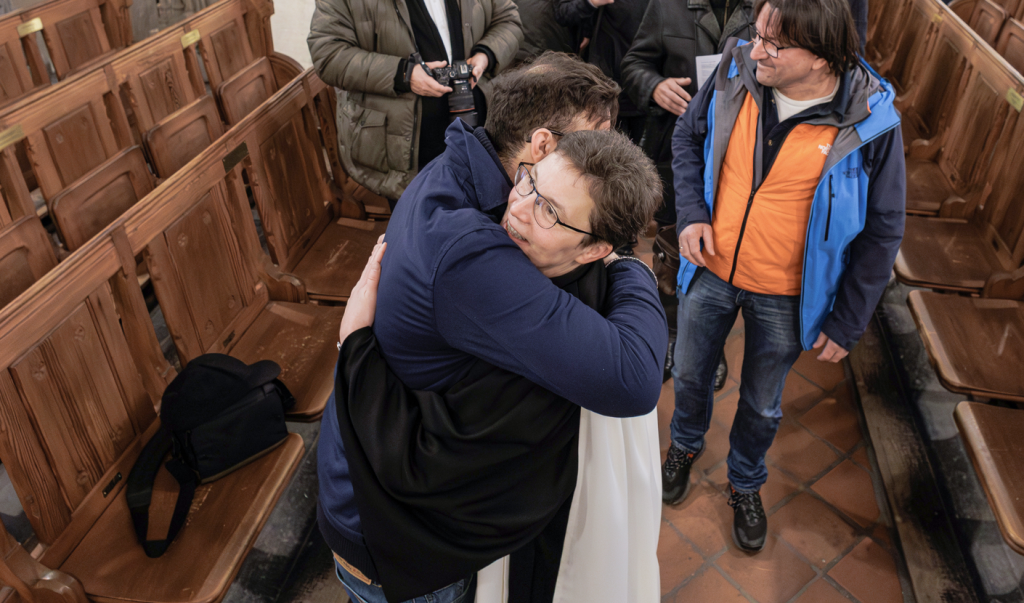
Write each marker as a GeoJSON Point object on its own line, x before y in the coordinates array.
{"type": "Point", "coordinates": [857, 216]}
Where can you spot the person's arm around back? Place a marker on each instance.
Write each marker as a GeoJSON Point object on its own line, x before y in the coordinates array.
{"type": "Point", "coordinates": [492, 303]}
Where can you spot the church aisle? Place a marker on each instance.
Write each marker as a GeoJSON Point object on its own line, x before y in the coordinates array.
{"type": "Point", "coordinates": [828, 541]}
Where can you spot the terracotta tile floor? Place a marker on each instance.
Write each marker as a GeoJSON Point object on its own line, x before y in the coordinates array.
{"type": "Point", "coordinates": [827, 539]}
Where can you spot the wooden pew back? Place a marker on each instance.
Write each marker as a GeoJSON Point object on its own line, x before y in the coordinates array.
{"type": "Point", "coordinates": [987, 20]}
{"type": "Point", "coordinates": [182, 135]}
{"type": "Point", "coordinates": [74, 33]}
{"type": "Point", "coordinates": [70, 129]}
{"type": "Point", "coordinates": [101, 196]}
{"type": "Point", "coordinates": [286, 169]}
{"type": "Point", "coordinates": [932, 101]}
{"type": "Point", "coordinates": [1010, 44]}
{"type": "Point", "coordinates": [914, 30]}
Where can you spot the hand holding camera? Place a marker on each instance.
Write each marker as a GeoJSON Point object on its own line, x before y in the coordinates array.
{"type": "Point", "coordinates": [424, 84]}
{"type": "Point", "coordinates": [461, 76]}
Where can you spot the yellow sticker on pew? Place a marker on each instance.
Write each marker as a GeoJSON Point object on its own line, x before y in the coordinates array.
{"type": "Point", "coordinates": [190, 38]}
{"type": "Point", "coordinates": [10, 136]}
{"type": "Point", "coordinates": [30, 27]}
{"type": "Point", "coordinates": [1015, 99]}
{"type": "Point", "coordinates": [937, 18]}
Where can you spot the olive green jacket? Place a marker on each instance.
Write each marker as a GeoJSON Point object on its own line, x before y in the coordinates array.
{"type": "Point", "coordinates": [356, 46]}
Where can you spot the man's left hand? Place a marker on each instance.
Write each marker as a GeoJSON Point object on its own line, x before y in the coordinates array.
{"type": "Point", "coordinates": [833, 352]}
{"type": "Point", "coordinates": [479, 63]}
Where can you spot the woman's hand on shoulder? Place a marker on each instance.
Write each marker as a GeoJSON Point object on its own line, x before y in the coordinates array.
{"type": "Point", "coordinates": [362, 303]}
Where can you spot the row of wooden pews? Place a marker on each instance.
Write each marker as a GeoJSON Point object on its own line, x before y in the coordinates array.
{"type": "Point", "coordinates": [83, 371]}
{"type": "Point", "coordinates": [152, 160]}
{"type": "Point", "coordinates": [964, 244]}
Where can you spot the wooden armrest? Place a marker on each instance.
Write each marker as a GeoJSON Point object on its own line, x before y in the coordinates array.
{"type": "Point", "coordinates": [1005, 285]}
{"type": "Point", "coordinates": [31, 579]}
{"type": "Point", "coordinates": [347, 205]}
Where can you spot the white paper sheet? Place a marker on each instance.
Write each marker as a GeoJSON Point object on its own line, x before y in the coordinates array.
{"type": "Point", "coordinates": [706, 65]}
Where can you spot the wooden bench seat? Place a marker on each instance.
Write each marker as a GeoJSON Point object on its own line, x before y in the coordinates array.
{"type": "Point", "coordinates": [298, 207]}
{"type": "Point", "coordinates": [26, 254]}
{"type": "Point", "coordinates": [80, 376]}
{"type": "Point", "coordinates": [975, 344]}
{"type": "Point", "coordinates": [992, 438]}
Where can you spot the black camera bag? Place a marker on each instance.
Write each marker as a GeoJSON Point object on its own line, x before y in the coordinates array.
{"type": "Point", "coordinates": [666, 259]}
{"type": "Point", "coordinates": [217, 415]}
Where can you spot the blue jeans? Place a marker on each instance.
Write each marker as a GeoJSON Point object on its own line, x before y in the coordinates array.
{"type": "Point", "coordinates": [771, 346]}
{"type": "Point", "coordinates": [361, 592]}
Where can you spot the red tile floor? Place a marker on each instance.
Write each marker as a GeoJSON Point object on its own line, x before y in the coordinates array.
{"type": "Point", "coordinates": [827, 540]}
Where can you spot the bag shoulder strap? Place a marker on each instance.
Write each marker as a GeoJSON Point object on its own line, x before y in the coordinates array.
{"type": "Point", "coordinates": [139, 491]}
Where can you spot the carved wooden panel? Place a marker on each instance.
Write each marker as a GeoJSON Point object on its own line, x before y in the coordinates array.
{"type": "Point", "coordinates": [25, 256]}
{"type": "Point", "coordinates": [179, 137]}
{"type": "Point", "coordinates": [241, 93]}
{"type": "Point", "coordinates": [163, 91]}
{"type": "Point", "coordinates": [987, 20]}
{"type": "Point", "coordinates": [292, 185]}
{"type": "Point", "coordinates": [100, 197]}
{"type": "Point", "coordinates": [75, 143]}
{"type": "Point", "coordinates": [78, 399]}
{"type": "Point", "coordinates": [208, 268]}
{"type": "Point", "coordinates": [73, 31]}
{"type": "Point", "coordinates": [224, 45]}
{"type": "Point", "coordinates": [974, 129]}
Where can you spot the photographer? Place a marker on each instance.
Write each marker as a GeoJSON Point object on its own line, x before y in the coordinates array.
{"type": "Point", "coordinates": [391, 113]}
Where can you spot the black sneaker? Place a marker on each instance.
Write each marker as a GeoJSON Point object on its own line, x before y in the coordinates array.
{"type": "Point", "coordinates": [721, 373]}
{"type": "Point", "coordinates": [675, 474]}
{"type": "Point", "coordinates": [749, 524]}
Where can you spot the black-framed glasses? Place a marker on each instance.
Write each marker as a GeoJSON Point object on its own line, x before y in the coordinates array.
{"type": "Point", "coordinates": [552, 130]}
{"type": "Point", "coordinates": [543, 212]}
{"type": "Point", "coordinates": [770, 47]}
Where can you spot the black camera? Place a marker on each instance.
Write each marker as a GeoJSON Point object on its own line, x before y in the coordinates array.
{"type": "Point", "coordinates": [457, 77]}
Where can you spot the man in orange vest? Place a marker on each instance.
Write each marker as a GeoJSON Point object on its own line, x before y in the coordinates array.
{"type": "Point", "coordinates": [790, 193]}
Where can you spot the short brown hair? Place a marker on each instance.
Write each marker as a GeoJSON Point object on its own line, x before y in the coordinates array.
{"type": "Point", "coordinates": [551, 92]}
{"type": "Point", "coordinates": [823, 27]}
{"type": "Point", "coordinates": [622, 182]}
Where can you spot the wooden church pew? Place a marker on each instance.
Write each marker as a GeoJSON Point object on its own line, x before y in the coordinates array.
{"type": "Point", "coordinates": [987, 20]}
{"type": "Point", "coordinates": [961, 251]}
{"type": "Point", "coordinates": [75, 33]}
{"type": "Point", "coordinates": [216, 288]}
{"type": "Point", "coordinates": [299, 209]}
{"type": "Point", "coordinates": [942, 171]}
{"type": "Point", "coordinates": [81, 374]}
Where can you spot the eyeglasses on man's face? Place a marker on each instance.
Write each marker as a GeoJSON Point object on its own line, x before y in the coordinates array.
{"type": "Point", "coordinates": [544, 213]}
{"type": "Point", "coordinates": [770, 47]}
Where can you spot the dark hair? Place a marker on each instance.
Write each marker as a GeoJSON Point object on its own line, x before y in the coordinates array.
{"type": "Point", "coordinates": [824, 27]}
{"type": "Point", "coordinates": [551, 92]}
{"type": "Point", "coordinates": [622, 182]}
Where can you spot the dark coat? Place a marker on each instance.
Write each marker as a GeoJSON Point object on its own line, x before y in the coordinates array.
{"type": "Point", "coordinates": [611, 30]}
{"type": "Point", "coordinates": [541, 31]}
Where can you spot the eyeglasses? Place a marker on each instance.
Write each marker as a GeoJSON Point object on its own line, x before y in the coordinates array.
{"type": "Point", "coordinates": [555, 132]}
{"type": "Point", "coordinates": [769, 47]}
{"type": "Point", "coordinates": [543, 212]}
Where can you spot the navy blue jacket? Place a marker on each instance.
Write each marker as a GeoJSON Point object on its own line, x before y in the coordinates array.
{"type": "Point", "coordinates": [857, 216]}
{"type": "Point", "coordinates": [454, 288]}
